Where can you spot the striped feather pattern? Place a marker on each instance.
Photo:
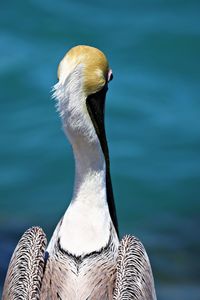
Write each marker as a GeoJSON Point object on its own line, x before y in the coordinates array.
{"type": "Point", "coordinates": [25, 271]}
{"type": "Point", "coordinates": [134, 279]}
{"type": "Point", "coordinates": [90, 277]}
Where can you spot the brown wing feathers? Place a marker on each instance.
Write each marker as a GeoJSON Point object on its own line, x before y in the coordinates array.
{"type": "Point", "coordinates": [25, 271]}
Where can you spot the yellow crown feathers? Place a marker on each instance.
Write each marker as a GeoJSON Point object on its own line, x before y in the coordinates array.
{"type": "Point", "coordinates": [95, 67]}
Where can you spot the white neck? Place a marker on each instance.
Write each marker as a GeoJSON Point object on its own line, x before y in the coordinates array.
{"type": "Point", "coordinates": [86, 224]}
{"type": "Point", "coordinates": [89, 162]}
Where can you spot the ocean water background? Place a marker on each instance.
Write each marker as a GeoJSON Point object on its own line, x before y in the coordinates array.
{"type": "Point", "coordinates": [152, 122]}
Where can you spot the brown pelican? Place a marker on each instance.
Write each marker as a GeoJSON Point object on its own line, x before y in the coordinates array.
{"type": "Point", "coordinates": [84, 259]}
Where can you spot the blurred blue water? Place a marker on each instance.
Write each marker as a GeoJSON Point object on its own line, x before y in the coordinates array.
{"type": "Point", "coordinates": [152, 122]}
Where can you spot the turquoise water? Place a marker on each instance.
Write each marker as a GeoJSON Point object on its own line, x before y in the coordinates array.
{"type": "Point", "coordinates": [152, 121]}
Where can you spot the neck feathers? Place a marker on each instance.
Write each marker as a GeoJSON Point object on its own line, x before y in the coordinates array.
{"type": "Point", "coordinates": [86, 223]}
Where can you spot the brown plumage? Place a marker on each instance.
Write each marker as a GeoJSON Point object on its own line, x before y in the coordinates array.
{"type": "Point", "coordinates": [26, 268]}
{"type": "Point", "coordinates": [85, 277]}
{"type": "Point", "coordinates": [130, 278]}
{"type": "Point", "coordinates": [134, 278]}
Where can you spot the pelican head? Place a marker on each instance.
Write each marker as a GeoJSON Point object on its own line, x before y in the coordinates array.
{"type": "Point", "coordinates": [83, 75]}
{"type": "Point", "coordinates": [92, 63]}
